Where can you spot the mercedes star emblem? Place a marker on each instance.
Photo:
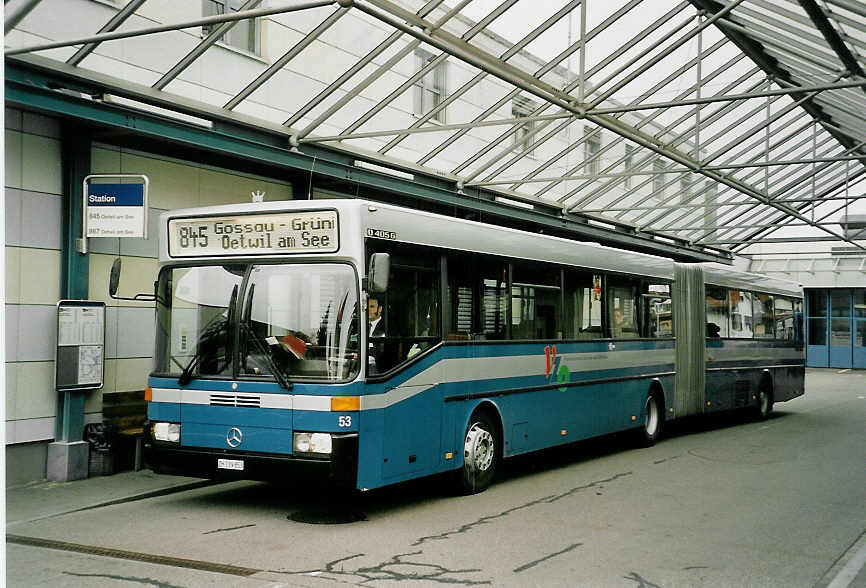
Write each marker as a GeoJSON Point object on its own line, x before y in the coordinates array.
{"type": "Point", "coordinates": [234, 437]}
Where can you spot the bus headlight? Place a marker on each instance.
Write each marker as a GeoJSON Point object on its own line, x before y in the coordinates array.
{"type": "Point", "coordinates": [166, 432]}
{"type": "Point", "coordinates": [318, 443]}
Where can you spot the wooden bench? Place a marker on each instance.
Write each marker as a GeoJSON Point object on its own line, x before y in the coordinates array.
{"type": "Point", "coordinates": [126, 413]}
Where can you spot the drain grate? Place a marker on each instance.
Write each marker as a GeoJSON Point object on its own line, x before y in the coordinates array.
{"type": "Point", "coordinates": [177, 562]}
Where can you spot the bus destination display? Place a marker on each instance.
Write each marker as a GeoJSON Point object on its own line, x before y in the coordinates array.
{"type": "Point", "coordinates": [296, 232]}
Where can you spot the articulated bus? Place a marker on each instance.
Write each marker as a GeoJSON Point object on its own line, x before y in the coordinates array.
{"type": "Point", "coordinates": [367, 344]}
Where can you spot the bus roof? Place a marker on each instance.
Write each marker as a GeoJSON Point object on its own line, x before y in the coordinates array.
{"type": "Point", "coordinates": [436, 230]}
{"type": "Point", "coordinates": [722, 275]}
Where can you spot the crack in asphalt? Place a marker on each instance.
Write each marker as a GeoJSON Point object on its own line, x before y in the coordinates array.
{"type": "Point", "coordinates": [229, 529]}
{"type": "Point", "coordinates": [532, 564]}
{"type": "Point", "coordinates": [146, 581]}
{"type": "Point", "coordinates": [545, 499]}
{"type": "Point", "coordinates": [384, 571]}
{"type": "Point", "coordinates": [641, 582]}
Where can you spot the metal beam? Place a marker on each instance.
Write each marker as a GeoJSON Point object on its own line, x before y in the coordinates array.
{"type": "Point", "coordinates": [436, 129]}
{"type": "Point", "coordinates": [352, 71]}
{"type": "Point", "coordinates": [516, 48]}
{"type": "Point", "coordinates": [716, 17]}
{"type": "Point", "coordinates": [215, 35]}
{"type": "Point", "coordinates": [371, 78]}
{"type": "Point", "coordinates": [115, 21]}
{"type": "Point", "coordinates": [623, 11]}
{"type": "Point", "coordinates": [815, 89]}
{"type": "Point", "coordinates": [822, 23]}
{"type": "Point", "coordinates": [770, 65]}
{"type": "Point", "coordinates": [15, 13]}
{"type": "Point", "coordinates": [24, 89]}
{"type": "Point", "coordinates": [209, 20]}
{"type": "Point", "coordinates": [286, 58]}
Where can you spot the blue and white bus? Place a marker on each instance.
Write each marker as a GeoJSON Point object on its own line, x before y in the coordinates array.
{"type": "Point", "coordinates": [368, 344]}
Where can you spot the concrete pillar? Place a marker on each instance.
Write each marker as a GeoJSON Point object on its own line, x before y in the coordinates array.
{"type": "Point", "coordinates": [68, 460]}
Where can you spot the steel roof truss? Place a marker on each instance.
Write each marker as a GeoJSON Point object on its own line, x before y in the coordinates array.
{"type": "Point", "coordinates": [516, 48]}
{"type": "Point", "coordinates": [112, 24]}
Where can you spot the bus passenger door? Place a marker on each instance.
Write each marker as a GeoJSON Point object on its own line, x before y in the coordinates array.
{"type": "Point", "coordinates": [411, 317]}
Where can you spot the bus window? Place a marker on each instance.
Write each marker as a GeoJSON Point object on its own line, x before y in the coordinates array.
{"type": "Point", "coordinates": [535, 302]}
{"type": "Point", "coordinates": [763, 316]}
{"type": "Point", "coordinates": [622, 294]}
{"type": "Point", "coordinates": [493, 278]}
{"type": "Point", "coordinates": [658, 311]}
{"type": "Point", "coordinates": [582, 305]}
{"type": "Point", "coordinates": [461, 298]}
{"type": "Point", "coordinates": [717, 311]}
{"type": "Point", "coordinates": [798, 321]}
{"type": "Point", "coordinates": [477, 291]}
{"type": "Point", "coordinates": [784, 316]}
{"type": "Point", "coordinates": [193, 316]}
{"type": "Point", "coordinates": [741, 314]}
{"type": "Point", "coordinates": [301, 319]}
{"type": "Point", "coordinates": [409, 308]}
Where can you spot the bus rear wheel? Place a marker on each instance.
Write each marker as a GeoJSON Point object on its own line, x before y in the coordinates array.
{"type": "Point", "coordinates": [481, 446]}
{"type": "Point", "coordinates": [652, 421]}
{"type": "Point", "coordinates": [765, 404]}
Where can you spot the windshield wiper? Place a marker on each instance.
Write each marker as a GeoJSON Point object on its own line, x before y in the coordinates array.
{"type": "Point", "coordinates": [266, 353]}
{"type": "Point", "coordinates": [212, 330]}
{"type": "Point", "coordinates": [260, 347]}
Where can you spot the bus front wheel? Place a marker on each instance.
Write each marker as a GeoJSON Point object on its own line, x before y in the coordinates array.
{"type": "Point", "coordinates": [480, 454]}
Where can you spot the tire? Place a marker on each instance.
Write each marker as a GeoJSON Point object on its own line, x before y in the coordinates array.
{"type": "Point", "coordinates": [653, 419]}
{"type": "Point", "coordinates": [764, 407]}
{"type": "Point", "coordinates": [481, 450]}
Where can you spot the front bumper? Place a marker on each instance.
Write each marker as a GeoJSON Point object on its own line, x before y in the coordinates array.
{"type": "Point", "coordinates": [200, 462]}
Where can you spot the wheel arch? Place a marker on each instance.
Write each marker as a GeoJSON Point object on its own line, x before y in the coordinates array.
{"type": "Point", "coordinates": [491, 409]}
{"type": "Point", "coordinates": [657, 389]}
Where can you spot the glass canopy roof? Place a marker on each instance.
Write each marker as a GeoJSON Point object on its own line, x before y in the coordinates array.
{"type": "Point", "coordinates": [720, 123]}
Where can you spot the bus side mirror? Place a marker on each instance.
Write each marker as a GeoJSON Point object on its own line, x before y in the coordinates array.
{"type": "Point", "coordinates": [114, 280]}
{"type": "Point", "coordinates": [379, 272]}
{"type": "Point", "coordinates": [114, 277]}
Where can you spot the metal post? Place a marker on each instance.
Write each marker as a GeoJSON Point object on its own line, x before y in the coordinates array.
{"type": "Point", "coordinates": [67, 456]}
{"type": "Point", "coordinates": [581, 91]}
{"type": "Point", "coordinates": [698, 87]}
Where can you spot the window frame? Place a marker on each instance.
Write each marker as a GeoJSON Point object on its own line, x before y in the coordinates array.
{"type": "Point", "coordinates": [591, 151]}
{"type": "Point", "coordinates": [522, 107]}
{"type": "Point", "coordinates": [253, 45]}
{"type": "Point", "coordinates": [435, 82]}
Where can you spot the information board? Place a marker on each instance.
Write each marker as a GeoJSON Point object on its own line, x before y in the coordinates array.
{"type": "Point", "coordinates": [115, 209]}
{"type": "Point", "coordinates": [80, 362]}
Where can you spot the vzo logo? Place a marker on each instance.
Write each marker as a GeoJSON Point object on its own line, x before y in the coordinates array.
{"type": "Point", "coordinates": [554, 369]}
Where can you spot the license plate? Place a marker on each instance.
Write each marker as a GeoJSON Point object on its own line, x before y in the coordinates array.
{"type": "Point", "coordinates": [230, 464]}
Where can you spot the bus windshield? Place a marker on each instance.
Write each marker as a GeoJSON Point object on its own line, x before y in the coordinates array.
{"type": "Point", "coordinates": [292, 321]}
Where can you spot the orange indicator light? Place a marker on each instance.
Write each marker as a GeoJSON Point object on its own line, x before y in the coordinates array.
{"type": "Point", "coordinates": [148, 394]}
{"type": "Point", "coordinates": [343, 403]}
